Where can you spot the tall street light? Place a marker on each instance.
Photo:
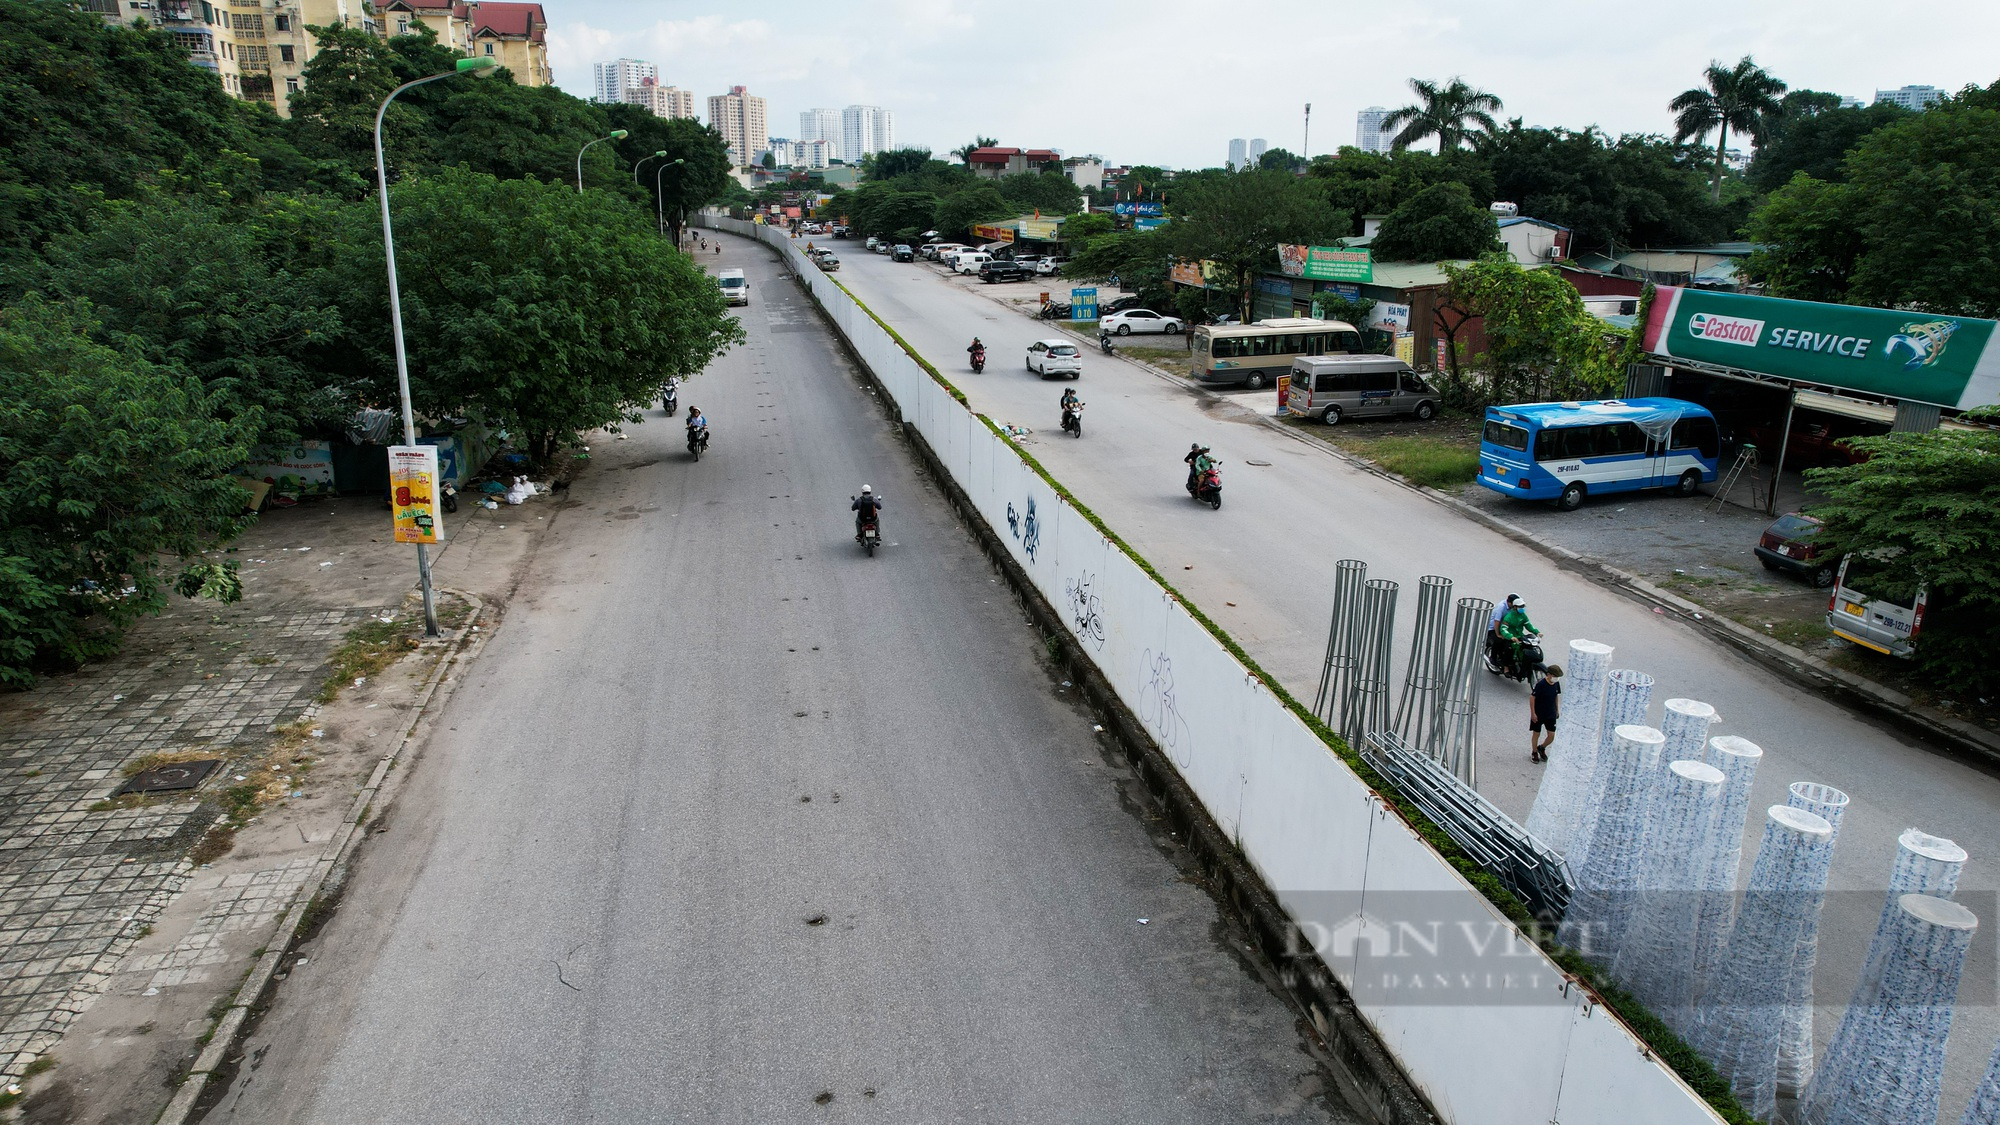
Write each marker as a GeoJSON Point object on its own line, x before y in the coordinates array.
{"type": "Point", "coordinates": [613, 135]}
{"type": "Point", "coordinates": [479, 68]}
{"type": "Point", "coordinates": [659, 195]}
{"type": "Point", "coordinates": [642, 160]}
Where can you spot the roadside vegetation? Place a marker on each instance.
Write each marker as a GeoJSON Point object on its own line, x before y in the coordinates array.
{"type": "Point", "coordinates": [185, 277]}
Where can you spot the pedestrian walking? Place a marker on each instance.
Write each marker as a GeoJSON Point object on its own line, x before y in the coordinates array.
{"type": "Point", "coordinates": [1544, 706]}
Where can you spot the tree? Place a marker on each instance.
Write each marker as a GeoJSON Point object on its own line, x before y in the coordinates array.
{"type": "Point", "coordinates": [964, 151]}
{"type": "Point", "coordinates": [1078, 229]}
{"type": "Point", "coordinates": [108, 464]}
{"type": "Point", "coordinates": [1279, 160]}
{"type": "Point", "coordinates": [1816, 143]}
{"type": "Point", "coordinates": [1635, 191]}
{"type": "Point", "coordinates": [1237, 221]}
{"type": "Point", "coordinates": [1916, 225]}
{"type": "Point", "coordinates": [1372, 183]}
{"type": "Point", "coordinates": [493, 126]}
{"type": "Point", "coordinates": [880, 209]}
{"type": "Point", "coordinates": [1924, 510]}
{"type": "Point", "coordinates": [333, 115]}
{"type": "Point", "coordinates": [896, 162]}
{"type": "Point", "coordinates": [962, 208]}
{"type": "Point", "coordinates": [234, 295]}
{"type": "Point", "coordinates": [1450, 113]}
{"type": "Point", "coordinates": [544, 310]}
{"type": "Point", "coordinates": [1742, 97]}
{"type": "Point", "coordinates": [1437, 224]}
{"type": "Point", "coordinates": [1051, 193]}
{"type": "Point", "coordinates": [701, 178]}
{"type": "Point", "coordinates": [1140, 261]}
{"type": "Point", "coordinates": [1540, 339]}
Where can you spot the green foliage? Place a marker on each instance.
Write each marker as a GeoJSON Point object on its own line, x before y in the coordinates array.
{"type": "Point", "coordinates": [1079, 229]}
{"type": "Point", "coordinates": [1052, 193]}
{"type": "Point", "coordinates": [543, 309]}
{"type": "Point", "coordinates": [1439, 223]}
{"type": "Point", "coordinates": [1237, 221]}
{"type": "Point", "coordinates": [1809, 137]}
{"type": "Point", "coordinates": [1279, 160]}
{"type": "Point", "coordinates": [235, 295]}
{"type": "Point", "coordinates": [896, 162]}
{"type": "Point", "coordinates": [107, 463]}
{"type": "Point", "coordinates": [1917, 224]}
{"type": "Point", "coordinates": [91, 112]}
{"type": "Point", "coordinates": [962, 208]}
{"type": "Point", "coordinates": [882, 209]}
{"type": "Point", "coordinates": [1925, 509]}
{"type": "Point", "coordinates": [1374, 183]}
{"type": "Point", "coordinates": [333, 117]}
{"type": "Point", "coordinates": [1541, 340]}
{"type": "Point", "coordinates": [1635, 191]}
{"type": "Point", "coordinates": [491, 125]}
{"type": "Point", "coordinates": [1451, 112]}
{"type": "Point", "coordinates": [1743, 97]}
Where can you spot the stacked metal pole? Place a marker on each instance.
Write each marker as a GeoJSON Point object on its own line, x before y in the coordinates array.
{"type": "Point", "coordinates": [1457, 723]}
{"type": "Point", "coordinates": [1601, 901]}
{"type": "Point", "coordinates": [1367, 708]}
{"type": "Point", "coordinates": [1889, 1049]}
{"type": "Point", "coordinates": [1348, 576]}
{"type": "Point", "coordinates": [1926, 865]}
{"type": "Point", "coordinates": [1985, 1106]}
{"type": "Point", "coordinates": [1628, 697]}
{"type": "Point", "coordinates": [1685, 722]}
{"type": "Point", "coordinates": [1423, 678]}
{"type": "Point", "coordinates": [1573, 755]}
{"type": "Point", "coordinates": [1737, 758]}
{"type": "Point", "coordinates": [1656, 960]}
{"type": "Point", "coordinates": [1795, 1029]}
{"type": "Point", "coordinates": [1737, 1025]}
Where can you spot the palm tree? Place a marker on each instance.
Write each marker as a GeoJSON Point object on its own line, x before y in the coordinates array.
{"type": "Point", "coordinates": [964, 152]}
{"type": "Point", "coordinates": [1742, 97]}
{"type": "Point", "coordinates": [1449, 113]}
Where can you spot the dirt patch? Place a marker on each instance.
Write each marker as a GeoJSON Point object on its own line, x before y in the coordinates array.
{"type": "Point", "coordinates": [1442, 453]}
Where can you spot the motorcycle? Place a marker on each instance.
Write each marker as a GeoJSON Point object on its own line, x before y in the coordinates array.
{"type": "Point", "coordinates": [450, 497]}
{"type": "Point", "coordinates": [979, 361]}
{"type": "Point", "coordinates": [1072, 421]}
{"type": "Point", "coordinates": [697, 440]}
{"type": "Point", "coordinates": [1055, 310]}
{"type": "Point", "coordinates": [1104, 341]}
{"type": "Point", "coordinates": [670, 397]}
{"type": "Point", "coordinates": [870, 533]}
{"type": "Point", "coordinates": [1207, 487]}
{"type": "Point", "coordinates": [1521, 663]}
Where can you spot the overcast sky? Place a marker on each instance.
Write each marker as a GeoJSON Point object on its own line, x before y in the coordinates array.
{"type": "Point", "coordinates": [1169, 83]}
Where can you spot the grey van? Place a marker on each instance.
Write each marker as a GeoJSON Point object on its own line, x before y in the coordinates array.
{"type": "Point", "coordinates": [1333, 387]}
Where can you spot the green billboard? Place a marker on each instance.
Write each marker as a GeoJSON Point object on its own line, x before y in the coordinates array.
{"type": "Point", "coordinates": [1326, 263]}
{"type": "Point", "coordinates": [1950, 361]}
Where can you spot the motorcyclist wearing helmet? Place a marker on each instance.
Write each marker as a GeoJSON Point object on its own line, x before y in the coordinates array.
{"type": "Point", "coordinates": [1515, 628]}
{"type": "Point", "coordinates": [866, 508]}
{"type": "Point", "coordinates": [1068, 401]}
{"type": "Point", "coordinates": [1198, 462]}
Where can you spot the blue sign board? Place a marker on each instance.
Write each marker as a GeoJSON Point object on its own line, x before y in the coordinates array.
{"type": "Point", "coordinates": [1083, 304]}
{"type": "Point", "coordinates": [1148, 209]}
{"type": "Point", "coordinates": [1345, 291]}
{"type": "Point", "coordinates": [1148, 224]}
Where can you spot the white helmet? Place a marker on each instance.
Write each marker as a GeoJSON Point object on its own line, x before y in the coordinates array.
{"type": "Point", "coordinates": [865, 490]}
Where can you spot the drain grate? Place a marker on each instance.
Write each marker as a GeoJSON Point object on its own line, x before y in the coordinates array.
{"type": "Point", "coordinates": [179, 775]}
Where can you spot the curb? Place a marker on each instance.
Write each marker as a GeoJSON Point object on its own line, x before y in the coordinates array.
{"type": "Point", "coordinates": [331, 865]}
{"type": "Point", "coordinates": [1956, 737]}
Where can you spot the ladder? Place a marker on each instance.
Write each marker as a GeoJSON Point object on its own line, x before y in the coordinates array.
{"type": "Point", "coordinates": [1745, 459]}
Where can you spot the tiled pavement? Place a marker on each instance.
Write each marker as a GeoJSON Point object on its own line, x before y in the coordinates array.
{"type": "Point", "coordinates": [77, 886]}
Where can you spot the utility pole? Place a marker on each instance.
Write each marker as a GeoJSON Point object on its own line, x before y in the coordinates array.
{"type": "Point", "coordinates": [1306, 148]}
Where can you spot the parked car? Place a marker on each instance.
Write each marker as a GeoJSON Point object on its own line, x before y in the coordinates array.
{"type": "Point", "coordinates": [827, 261]}
{"type": "Point", "coordinates": [936, 251]}
{"type": "Point", "coordinates": [882, 247]}
{"type": "Point", "coordinates": [840, 230]}
{"type": "Point", "coordinates": [1858, 615]}
{"type": "Point", "coordinates": [872, 242]}
{"type": "Point", "coordinates": [1050, 265]}
{"type": "Point", "coordinates": [1129, 301]}
{"type": "Point", "coordinates": [1787, 545]}
{"type": "Point", "coordinates": [996, 271]}
{"type": "Point", "coordinates": [1055, 357]}
{"type": "Point", "coordinates": [903, 253]}
{"type": "Point", "coordinates": [969, 261]}
{"type": "Point", "coordinates": [1127, 322]}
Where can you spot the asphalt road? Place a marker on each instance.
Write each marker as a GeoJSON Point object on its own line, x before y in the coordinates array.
{"type": "Point", "coordinates": [1262, 567]}
{"type": "Point", "coordinates": [733, 823]}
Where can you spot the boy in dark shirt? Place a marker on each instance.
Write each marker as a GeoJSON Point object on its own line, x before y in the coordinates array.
{"type": "Point", "coordinates": [1544, 705]}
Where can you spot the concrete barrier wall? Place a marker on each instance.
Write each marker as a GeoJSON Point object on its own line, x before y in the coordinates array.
{"type": "Point", "coordinates": [1529, 1049]}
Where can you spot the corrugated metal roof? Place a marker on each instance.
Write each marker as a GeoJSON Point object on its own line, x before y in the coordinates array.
{"type": "Point", "coordinates": [1409, 275]}
{"type": "Point", "coordinates": [1513, 219]}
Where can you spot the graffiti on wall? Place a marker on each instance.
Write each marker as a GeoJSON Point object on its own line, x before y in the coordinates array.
{"type": "Point", "coordinates": [1031, 531]}
{"type": "Point", "coordinates": [1160, 711]}
{"type": "Point", "coordinates": [1085, 610]}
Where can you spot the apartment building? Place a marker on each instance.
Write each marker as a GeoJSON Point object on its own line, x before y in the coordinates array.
{"type": "Point", "coordinates": [619, 79]}
{"type": "Point", "coordinates": [739, 116]}
{"type": "Point", "coordinates": [662, 101]}
{"type": "Point", "coordinates": [1369, 136]}
{"type": "Point", "coordinates": [865, 129]}
{"type": "Point", "coordinates": [821, 125]}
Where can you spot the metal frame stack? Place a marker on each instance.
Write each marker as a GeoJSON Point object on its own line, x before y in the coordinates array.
{"type": "Point", "coordinates": [1367, 707]}
{"type": "Point", "coordinates": [1338, 671]}
{"type": "Point", "coordinates": [1457, 724]}
{"type": "Point", "coordinates": [1423, 678]}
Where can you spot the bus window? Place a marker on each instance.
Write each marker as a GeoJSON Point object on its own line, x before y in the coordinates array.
{"type": "Point", "coordinates": [1620, 437]}
{"type": "Point", "coordinates": [1378, 381]}
{"type": "Point", "coordinates": [1257, 345]}
{"type": "Point", "coordinates": [1506, 436]}
{"type": "Point", "coordinates": [1699, 435]}
{"type": "Point", "coordinates": [1287, 345]}
{"type": "Point", "coordinates": [1226, 347]}
{"type": "Point", "coordinates": [1201, 345]}
{"type": "Point", "coordinates": [1335, 381]}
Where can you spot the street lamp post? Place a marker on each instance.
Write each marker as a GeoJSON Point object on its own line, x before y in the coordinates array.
{"type": "Point", "coordinates": [613, 135]}
{"type": "Point", "coordinates": [478, 68]}
{"type": "Point", "coordinates": [659, 195]}
{"type": "Point", "coordinates": [642, 160]}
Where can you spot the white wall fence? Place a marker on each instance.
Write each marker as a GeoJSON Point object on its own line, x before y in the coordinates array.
{"type": "Point", "coordinates": [1487, 1027]}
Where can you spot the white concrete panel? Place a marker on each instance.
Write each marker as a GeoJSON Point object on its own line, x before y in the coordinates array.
{"type": "Point", "coordinates": [1610, 1077]}
{"type": "Point", "coordinates": [1080, 552]}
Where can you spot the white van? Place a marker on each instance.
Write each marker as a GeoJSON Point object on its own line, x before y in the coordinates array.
{"type": "Point", "coordinates": [969, 261]}
{"type": "Point", "coordinates": [735, 287]}
{"type": "Point", "coordinates": [1889, 626]}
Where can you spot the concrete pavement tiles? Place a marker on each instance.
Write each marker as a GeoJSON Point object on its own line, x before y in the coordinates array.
{"type": "Point", "coordinates": [78, 884]}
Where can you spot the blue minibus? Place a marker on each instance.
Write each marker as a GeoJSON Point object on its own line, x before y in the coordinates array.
{"type": "Point", "coordinates": [1565, 451]}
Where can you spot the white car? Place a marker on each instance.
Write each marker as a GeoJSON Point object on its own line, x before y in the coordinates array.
{"type": "Point", "coordinates": [945, 251]}
{"type": "Point", "coordinates": [1049, 265]}
{"type": "Point", "coordinates": [1138, 320]}
{"type": "Point", "coordinates": [1055, 357]}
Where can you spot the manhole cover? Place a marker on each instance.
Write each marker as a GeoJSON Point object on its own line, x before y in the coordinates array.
{"type": "Point", "coordinates": [180, 775]}
{"type": "Point", "coordinates": [1259, 464]}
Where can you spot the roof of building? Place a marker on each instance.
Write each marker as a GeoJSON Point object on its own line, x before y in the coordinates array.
{"type": "Point", "coordinates": [507, 21]}
{"type": "Point", "coordinates": [995, 155]}
{"type": "Point", "coordinates": [1409, 275]}
{"type": "Point", "coordinates": [1512, 220]}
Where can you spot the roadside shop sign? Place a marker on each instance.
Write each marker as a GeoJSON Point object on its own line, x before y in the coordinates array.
{"type": "Point", "coordinates": [1143, 225]}
{"type": "Point", "coordinates": [1326, 263]}
{"type": "Point", "coordinates": [1083, 304]}
{"type": "Point", "coordinates": [1947, 361]}
{"type": "Point", "coordinates": [1138, 209]}
{"type": "Point", "coordinates": [413, 493]}
{"type": "Point", "coordinates": [1041, 230]}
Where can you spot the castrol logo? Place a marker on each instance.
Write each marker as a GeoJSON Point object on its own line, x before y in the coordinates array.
{"type": "Point", "coordinates": [1725, 329]}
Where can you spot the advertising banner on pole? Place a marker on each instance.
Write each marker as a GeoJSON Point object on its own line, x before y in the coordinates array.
{"type": "Point", "coordinates": [413, 488]}
{"type": "Point", "coordinates": [1083, 304]}
{"type": "Point", "coordinates": [1326, 263]}
{"type": "Point", "coordinates": [1924, 357]}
